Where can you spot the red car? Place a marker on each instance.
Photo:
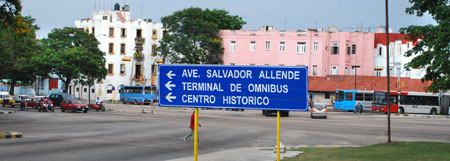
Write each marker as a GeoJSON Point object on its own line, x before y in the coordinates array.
{"type": "Point", "coordinates": [73, 105]}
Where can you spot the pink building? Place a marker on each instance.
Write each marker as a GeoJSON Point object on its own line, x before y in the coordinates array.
{"type": "Point", "coordinates": [325, 53]}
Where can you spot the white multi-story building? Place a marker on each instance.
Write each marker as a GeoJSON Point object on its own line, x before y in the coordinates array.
{"type": "Point", "coordinates": [398, 46]}
{"type": "Point", "coordinates": [130, 47]}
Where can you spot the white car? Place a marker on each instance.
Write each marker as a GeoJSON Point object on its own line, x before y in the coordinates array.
{"type": "Point", "coordinates": [319, 111]}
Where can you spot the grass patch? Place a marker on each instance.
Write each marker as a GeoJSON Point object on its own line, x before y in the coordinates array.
{"type": "Point", "coordinates": [395, 151]}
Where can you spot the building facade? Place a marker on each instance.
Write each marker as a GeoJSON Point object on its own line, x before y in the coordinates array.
{"type": "Point", "coordinates": [324, 52]}
{"type": "Point", "coordinates": [130, 47]}
{"type": "Point", "coordinates": [398, 46]}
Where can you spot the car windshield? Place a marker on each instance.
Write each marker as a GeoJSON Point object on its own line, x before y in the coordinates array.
{"type": "Point", "coordinates": [76, 102]}
{"type": "Point", "coordinates": [319, 107]}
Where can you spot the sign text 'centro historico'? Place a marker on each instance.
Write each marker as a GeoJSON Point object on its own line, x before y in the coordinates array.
{"type": "Point", "coordinates": [240, 87]}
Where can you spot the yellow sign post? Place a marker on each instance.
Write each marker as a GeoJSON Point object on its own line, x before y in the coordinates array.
{"type": "Point", "coordinates": [278, 135]}
{"type": "Point", "coordinates": [196, 135]}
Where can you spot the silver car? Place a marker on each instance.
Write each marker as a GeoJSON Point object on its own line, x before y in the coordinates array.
{"type": "Point", "coordinates": [319, 111]}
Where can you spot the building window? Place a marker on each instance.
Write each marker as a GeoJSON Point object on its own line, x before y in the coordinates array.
{"type": "Point", "coordinates": [123, 32]}
{"type": "Point", "coordinates": [380, 51]}
{"type": "Point", "coordinates": [378, 73]}
{"type": "Point", "coordinates": [327, 95]}
{"type": "Point", "coordinates": [353, 48]}
{"type": "Point", "coordinates": [85, 90]}
{"type": "Point", "coordinates": [111, 32]}
{"type": "Point", "coordinates": [334, 70]}
{"type": "Point", "coordinates": [105, 17]}
{"type": "Point", "coordinates": [348, 49]}
{"type": "Point", "coordinates": [122, 68]}
{"type": "Point", "coordinates": [314, 69]}
{"type": "Point", "coordinates": [139, 33]}
{"type": "Point", "coordinates": [137, 74]}
{"type": "Point", "coordinates": [316, 46]}
{"type": "Point", "coordinates": [154, 34]}
{"type": "Point", "coordinates": [122, 49]}
{"type": "Point", "coordinates": [93, 31]}
{"type": "Point", "coordinates": [154, 47]}
{"type": "Point", "coordinates": [110, 68]}
{"type": "Point", "coordinates": [301, 47]}
{"type": "Point", "coordinates": [282, 46]}
{"type": "Point", "coordinates": [346, 70]}
{"type": "Point", "coordinates": [92, 90]}
{"type": "Point", "coordinates": [408, 45]}
{"type": "Point", "coordinates": [233, 46]}
{"type": "Point", "coordinates": [78, 89]}
{"type": "Point", "coordinates": [354, 69]}
{"type": "Point", "coordinates": [111, 48]}
{"type": "Point", "coordinates": [267, 45]}
{"type": "Point", "coordinates": [335, 48]}
{"type": "Point", "coordinates": [109, 91]}
{"type": "Point", "coordinates": [252, 46]}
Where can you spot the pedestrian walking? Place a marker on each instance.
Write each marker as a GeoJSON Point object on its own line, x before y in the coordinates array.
{"type": "Point", "coordinates": [360, 107]}
{"type": "Point", "coordinates": [192, 127]}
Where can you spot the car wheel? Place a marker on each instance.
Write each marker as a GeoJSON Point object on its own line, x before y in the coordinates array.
{"type": "Point", "coordinates": [85, 111]}
{"type": "Point", "coordinates": [325, 117]}
{"type": "Point", "coordinates": [263, 112]}
{"type": "Point", "coordinates": [12, 106]}
{"type": "Point", "coordinates": [123, 101]}
{"type": "Point", "coordinates": [4, 105]}
{"type": "Point", "coordinates": [63, 110]}
{"type": "Point", "coordinates": [103, 109]}
{"type": "Point", "coordinates": [74, 110]}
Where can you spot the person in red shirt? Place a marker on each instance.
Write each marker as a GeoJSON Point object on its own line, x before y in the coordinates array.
{"type": "Point", "coordinates": [192, 127]}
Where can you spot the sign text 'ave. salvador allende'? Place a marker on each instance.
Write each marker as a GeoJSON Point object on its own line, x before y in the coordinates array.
{"type": "Point", "coordinates": [241, 87]}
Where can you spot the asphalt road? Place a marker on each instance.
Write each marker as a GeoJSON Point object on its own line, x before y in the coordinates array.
{"type": "Point", "coordinates": [114, 135]}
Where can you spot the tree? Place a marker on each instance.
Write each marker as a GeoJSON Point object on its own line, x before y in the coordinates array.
{"type": "Point", "coordinates": [21, 45]}
{"type": "Point", "coordinates": [192, 36]}
{"type": "Point", "coordinates": [433, 51]}
{"type": "Point", "coordinates": [73, 54]}
{"type": "Point", "coordinates": [8, 10]}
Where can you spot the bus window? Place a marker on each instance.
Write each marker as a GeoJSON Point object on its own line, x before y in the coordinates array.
{"type": "Point", "coordinates": [359, 96]}
{"type": "Point", "coordinates": [349, 96]}
{"type": "Point", "coordinates": [368, 97]}
{"type": "Point", "coordinates": [340, 96]}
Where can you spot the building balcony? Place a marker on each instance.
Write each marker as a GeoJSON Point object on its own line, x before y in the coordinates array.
{"type": "Point", "coordinates": [139, 41]}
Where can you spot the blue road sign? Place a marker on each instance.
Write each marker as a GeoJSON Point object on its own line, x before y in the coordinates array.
{"type": "Point", "coordinates": [240, 87]}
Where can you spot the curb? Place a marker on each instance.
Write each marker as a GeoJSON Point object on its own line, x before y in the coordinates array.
{"type": "Point", "coordinates": [7, 112]}
{"type": "Point", "coordinates": [10, 135]}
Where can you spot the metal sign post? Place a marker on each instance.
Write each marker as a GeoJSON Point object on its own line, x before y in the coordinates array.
{"type": "Point", "coordinates": [234, 87]}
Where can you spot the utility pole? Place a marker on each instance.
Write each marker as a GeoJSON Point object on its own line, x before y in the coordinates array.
{"type": "Point", "coordinates": [388, 74]}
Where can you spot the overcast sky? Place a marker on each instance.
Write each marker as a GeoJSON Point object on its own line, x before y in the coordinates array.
{"type": "Point", "coordinates": [283, 14]}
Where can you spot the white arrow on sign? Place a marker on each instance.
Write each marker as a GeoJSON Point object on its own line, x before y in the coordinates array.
{"type": "Point", "coordinates": [170, 74]}
{"type": "Point", "coordinates": [169, 97]}
{"type": "Point", "coordinates": [169, 86]}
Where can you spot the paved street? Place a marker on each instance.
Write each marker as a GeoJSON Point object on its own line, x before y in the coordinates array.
{"type": "Point", "coordinates": [124, 133]}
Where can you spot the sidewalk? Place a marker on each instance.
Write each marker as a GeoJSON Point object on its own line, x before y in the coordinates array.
{"type": "Point", "coordinates": [242, 154]}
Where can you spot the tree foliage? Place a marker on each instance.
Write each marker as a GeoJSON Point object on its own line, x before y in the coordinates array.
{"type": "Point", "coordinates": [18, 44]}
{"type": "Point", "coordinates": [433, 51]}
{"type": "Point", "coordinates": [192, 35]}
{"type": "Point", "coordinates": [73, 54]}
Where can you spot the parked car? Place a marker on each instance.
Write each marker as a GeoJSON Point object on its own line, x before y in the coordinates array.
{"type": "Point", "coordinates": [3, 95]}
{"type": "Point", "coordinates": [32, 102]}
{"type": "Point", "coordinates": [73, 105]}
{"type": "Point", "coordinates": [57, 98]}
{"type": "Point", "coordinates": [319, 111]}
{"type": "Point", "coordinates": [11, 101]}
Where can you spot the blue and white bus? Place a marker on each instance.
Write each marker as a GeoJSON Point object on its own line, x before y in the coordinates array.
{"type": "Point", "coordinates": [347, 99]}
{"type": "Point", "coordinates": [135, 95]}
